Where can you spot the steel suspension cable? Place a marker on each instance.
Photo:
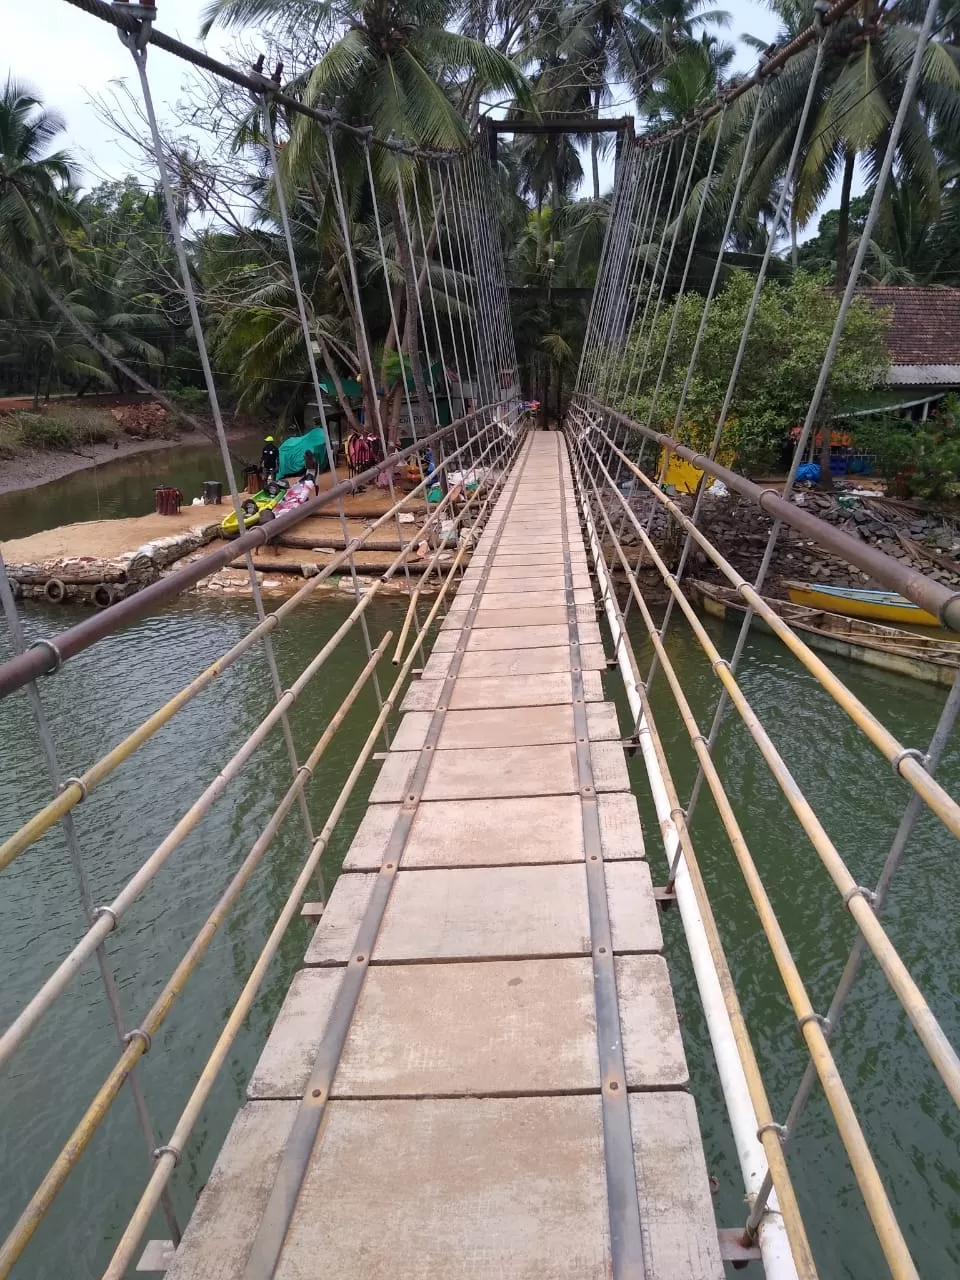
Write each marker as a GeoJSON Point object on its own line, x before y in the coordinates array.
{"type": "Point", "coordinates": [108, 980]}
{"type": "Point", "coordinates": [138, 51]}
{"type": "Point", "coordinates": [785, 188]}
{"type": "Point", "coordinates": [312, 364]}
{"type": "Point", "coordinates": [886, 166]}
{"type": "Point", "coordinates": [821, 1062]}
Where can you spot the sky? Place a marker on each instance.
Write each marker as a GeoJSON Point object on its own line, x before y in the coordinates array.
{"type": "Point", "coordinates": [70, 58]}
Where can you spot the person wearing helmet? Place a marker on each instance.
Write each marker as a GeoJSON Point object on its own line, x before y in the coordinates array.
{"type": "Point", "coordinates": [269, 460]}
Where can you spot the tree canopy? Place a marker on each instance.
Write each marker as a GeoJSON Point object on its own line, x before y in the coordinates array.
{"type": "Point", "coordinates": [426, 72]}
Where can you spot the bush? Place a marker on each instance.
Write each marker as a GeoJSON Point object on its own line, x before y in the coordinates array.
{"type": "Point", "coordinates": [781, 363]}
{"type": "Point", "coordinates": [189, 397]}
{"type": "Point", "coordinates": [60, 429]}
{"type": "Point", "coordinates": [917, 459]}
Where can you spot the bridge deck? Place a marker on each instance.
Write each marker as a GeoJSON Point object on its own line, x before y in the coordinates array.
{"type": "Point", "coordinates": [479, 1072]}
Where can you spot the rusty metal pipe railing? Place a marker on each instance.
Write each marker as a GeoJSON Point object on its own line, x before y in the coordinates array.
{"type": "Point", "coordinates": [77, 789]}
{"type": "Point", "coordinates": [168, 1156]}
{"type": "Point", "coordinates": [890, 573]}
{"type": "Point", "coordinates": [140, 1040]}
{"type": "Point", "coordinates": [941, 1052]}
{"type": "Point", "coordinates": [61, 978]}
{"type": "Point", "coordinates": [109, 916]}
{"type": "Point", "coordinates": [49, 654]}
{"type": "Point", "coordinates": [767, 1132]}
{"type": "Point", "coordinates": [810, 1025]}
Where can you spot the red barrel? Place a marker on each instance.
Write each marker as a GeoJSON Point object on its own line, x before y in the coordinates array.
{"type": "Point", "coordinates": [168, 500]}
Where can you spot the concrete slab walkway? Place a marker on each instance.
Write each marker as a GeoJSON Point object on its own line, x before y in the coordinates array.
{"type": "Point", "coordinates": [479, 1072]}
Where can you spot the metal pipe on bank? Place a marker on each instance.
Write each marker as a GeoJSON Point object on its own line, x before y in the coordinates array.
{"type": "Point", "coordinates": [937, 599]}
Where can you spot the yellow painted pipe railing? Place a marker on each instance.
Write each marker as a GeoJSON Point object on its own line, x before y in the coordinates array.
{"type": "Point", "coordinates": [140, 1040]}
{"type": "Point", "coordinates": [855, 1144]}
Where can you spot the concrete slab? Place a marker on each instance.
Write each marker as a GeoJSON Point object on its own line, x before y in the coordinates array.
{"type": "Point", "coordinates": [454, 1190]}
{"type": "Point", "coordinates": [531, 599]}
{"type": "Point", "coordinates": [521, 617]}
{"type": "Point", "coordinates": [489, 773]}
{"type": "Point", "coordinates": [288, 1056]}
{"type": "Point", "coordinates": [495, 772]}
{"type": "Point", "coordinates": [472, 832]}
{"type": "Point", "coordinates": [498, 726]}
{"type": "Point", "coordinates": [543, 637]}
{"type": "Point", "coordinates": [680, 1232]}
{"type": "Point", "coordinates": [621, 835]}
{"type": "Point", "coordinates": [334, 936]}
{"type": "Point", "coordinates": [609, 767]}
{"type": "Point", "coordinates": [501, 584]}
{"type": "Point", "coordinates": [652, 1047]}
{"type": "Point", "coordinates": [223, 1225]}
{"type": "Point", "coordinates": [509, 572]}
{"type": "Point", "coordinates": [501, 691]}
{"type": "Point", "coordinates": [529, 829]}
{"type": "Point", "coordinates": [499, 1027]}
{"type": "Point", "coordinates": [518, 662]}
{"type": "Point", "coordinates": [634, 917]}
{"type": "Point", "coordinates": [602, 721]}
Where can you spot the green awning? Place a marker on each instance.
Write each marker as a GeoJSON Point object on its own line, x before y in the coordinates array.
{"type": "Point", "coordinates": [351, 388]}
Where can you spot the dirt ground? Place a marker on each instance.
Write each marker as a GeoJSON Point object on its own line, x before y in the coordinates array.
{"type": "Point", "coordinates": [101, 539]}
{"type": "Point", "coordinates": [106, 539]}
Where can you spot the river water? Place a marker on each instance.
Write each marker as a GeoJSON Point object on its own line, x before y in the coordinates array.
{"type": "Point", "coordinates": [98, 697]}
{"type": "Point", "coordinates": [121, 488]}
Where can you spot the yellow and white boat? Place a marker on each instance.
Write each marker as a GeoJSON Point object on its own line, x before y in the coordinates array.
{"type": "Point", "coordinates": [932, 658]}
{"type": "Point", "coordinates": [880, 606]}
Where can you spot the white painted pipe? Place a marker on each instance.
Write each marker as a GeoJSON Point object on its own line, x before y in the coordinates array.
{"type": "Point", "coordinates": [774, 1246]}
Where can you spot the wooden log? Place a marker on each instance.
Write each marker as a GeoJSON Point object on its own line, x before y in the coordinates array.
{"type": "Point", "coordinates": [310, 570]}
{"type": "Point", "coordinates": [335, 542]}
{"type": "Point", "coordinates": [70, 573]}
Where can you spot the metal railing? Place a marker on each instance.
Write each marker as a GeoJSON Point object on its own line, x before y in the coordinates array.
{"type": "Point", "coordinates": [596, 454]}
{"type": "Point", "coordinates": [490, 449]}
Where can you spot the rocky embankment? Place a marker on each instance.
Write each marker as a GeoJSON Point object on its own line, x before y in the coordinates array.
{"type": "Point", "coordinates": [925, 537]}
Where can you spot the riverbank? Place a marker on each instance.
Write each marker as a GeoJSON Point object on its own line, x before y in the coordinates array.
{"type": "Point", "coordinates": [33, 469]}
{"type": "Point", "coordinates": [99, 561]}
{"type": "Point", "coordinates": [37, 448]}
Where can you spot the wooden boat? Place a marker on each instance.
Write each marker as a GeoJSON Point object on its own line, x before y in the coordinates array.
{"type": "Point", "coordinates": [881, 606]}
{"type": "Point", "coordinates": [923, 657]}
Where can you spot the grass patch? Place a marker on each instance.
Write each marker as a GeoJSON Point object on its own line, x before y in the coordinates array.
{"type": "Point", "coordinates": [55, 430]}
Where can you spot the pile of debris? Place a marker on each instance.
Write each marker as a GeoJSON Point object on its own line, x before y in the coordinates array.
{"type": "Point", "coordinates": [145, 421]}
{"type": "Point", "coordinates": [926, 538]}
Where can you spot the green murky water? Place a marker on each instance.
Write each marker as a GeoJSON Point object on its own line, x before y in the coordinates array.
{"type": "Point", "coordinates": [907, 1115]}
{"type": "Point", "coordinates": [121, 488]}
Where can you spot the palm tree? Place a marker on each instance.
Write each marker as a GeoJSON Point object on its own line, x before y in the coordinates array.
{"type": "Point", "coordinates": [396, 66]}
{"type": "Point", "coordinates": [33, 179]}
{"type": "Point", "coordinates": [860, 85]}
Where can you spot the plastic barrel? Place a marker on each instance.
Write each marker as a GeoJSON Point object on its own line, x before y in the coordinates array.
{"type": "Point", "coordinates": [168, 500]}
{"type": "Point", "coordinates": [212, 493]}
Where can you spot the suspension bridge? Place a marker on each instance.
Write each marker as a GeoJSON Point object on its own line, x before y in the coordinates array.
{"type": "Point", "coordinates": [478, 1067]}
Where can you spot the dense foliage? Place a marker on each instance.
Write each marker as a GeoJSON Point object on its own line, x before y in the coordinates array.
{"type": "Point", "coordinates": [427, 71]}
{"type": "Point", "coordinates": [922, 459]}
{"type": "Point", "coordinates": [781, 362]}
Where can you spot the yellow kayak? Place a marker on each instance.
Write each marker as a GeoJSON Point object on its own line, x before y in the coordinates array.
{"type": "Point", "coordinates": [883, 606]}
{"type": "Point", "coordinates": [265, 500]}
